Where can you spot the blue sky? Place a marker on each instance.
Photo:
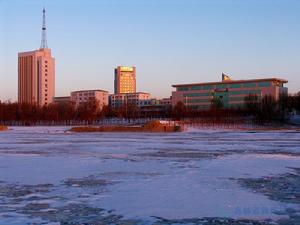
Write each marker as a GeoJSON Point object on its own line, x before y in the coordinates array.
{"type": "Point", "coordinates": [169, 41]}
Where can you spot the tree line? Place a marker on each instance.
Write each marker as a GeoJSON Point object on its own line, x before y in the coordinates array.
{"type": "Point", "coordinates": [267, 109]}
{"type": "Point", "coordinates": [64, 112]}
{"type": "Point", "coordinates": [262, 110]}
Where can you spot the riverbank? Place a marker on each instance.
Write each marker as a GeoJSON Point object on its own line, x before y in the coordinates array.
{"type": "Point", "coordinates": [153, 126]}
{"type": "Point", "coordinates": [3, 128]}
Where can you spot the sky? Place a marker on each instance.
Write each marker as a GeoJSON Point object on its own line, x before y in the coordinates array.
{"type": "Point", "coordinates": [169, 41]}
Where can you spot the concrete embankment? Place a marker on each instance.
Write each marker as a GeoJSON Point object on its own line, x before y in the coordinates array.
{"type": "Point", "coordinates": [153, 126]}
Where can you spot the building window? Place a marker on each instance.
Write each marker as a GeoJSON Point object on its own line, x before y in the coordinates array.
{"type": "Point", "coordinates": [46, 70]}
{"type": "Point", "coordinates": [235, 86]}
{"type": "Point", "coordinates": [244, 92]}
{"type": "Point", "coordinates": [264, 84]}
{"type": "Point", "coordinates": [46, 80]}
{"type": "Point", "coordinates": [221, 86]}
{"type": "Point", "coordinates": [208, 87]}
{"type": "Point", "coordinates": [249, 84]}
{"type": "Point", "coordinates": [46, 66]}
{"type": "Point", "coordinates": [46, 99]}
{"type": "Point", "coordinates": [196, 88]}
{"type": "Point", "coordinates": [182, 89]}
{"type": "Point", "coordinates": [197, 94]}
{"type": "Point", "coordinates": [46, 61]}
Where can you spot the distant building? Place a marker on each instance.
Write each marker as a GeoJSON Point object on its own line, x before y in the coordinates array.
{"type": "Point", "coordinates": [119, 100]}
{"type": "Point", "coordinates": [230, 92]}
{"type": "Point", "coordinates": [166, 101]}
{"type": "Point", "coordinates": [36, 74]}
{"type": "Point", "coordinates": [156, 107]}
{"type": "Point", "coordinates": [62, 100]}
{"type": "Point", "coordinates": [85, 96]}
{"type": "Point", "coordinates": [156, 102]}
{"type": "Point", "coordinates": [125, 80]}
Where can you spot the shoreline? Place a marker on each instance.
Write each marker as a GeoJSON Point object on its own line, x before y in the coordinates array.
{"type": "Point", "coordinates": [3, 128]}
{"type": "Point", "coordinates": [152, 127]}
{"type": "Point", "coordinates": [138, 129]}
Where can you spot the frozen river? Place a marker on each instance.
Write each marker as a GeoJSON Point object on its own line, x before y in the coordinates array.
{"type": "Point", "coordinates": [51, 176]}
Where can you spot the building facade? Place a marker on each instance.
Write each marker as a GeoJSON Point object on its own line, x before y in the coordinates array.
{"type": "Point", "coordinates": [156, 102]}
{"type": "Point", "coordinates": [231, 93]}
{"type": "Point", "coordinates": [125, 80]}
{"type": "Point", "coordinates": [85, 96]}
{"type": "Point", "coordinates": [36, 73]}
{"type": "Point", "coordinates": [156, 107]}
{"type": "Point", "coordinates": [62, 100]}
{"type": "Point", "coordinates": [36, 77]}
{"type": "Point", "coordinates": [135, 99]}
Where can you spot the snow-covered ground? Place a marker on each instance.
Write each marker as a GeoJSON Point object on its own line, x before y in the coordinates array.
{"type": "Point", "coordinates": [138, 177]}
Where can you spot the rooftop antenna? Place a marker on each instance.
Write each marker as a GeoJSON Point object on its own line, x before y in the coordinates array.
{"type": "Point", "coordinates": [44, 33]}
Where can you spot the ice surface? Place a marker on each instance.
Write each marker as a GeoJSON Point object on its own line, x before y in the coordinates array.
{"type": "Point", "coordinates": [141, 176]}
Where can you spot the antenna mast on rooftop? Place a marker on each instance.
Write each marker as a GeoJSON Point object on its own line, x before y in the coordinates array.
{"type": "Point", "coordinates": [44, 33]}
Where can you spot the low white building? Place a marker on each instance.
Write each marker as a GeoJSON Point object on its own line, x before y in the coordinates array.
{"type": "Point", "coordinates": [84, 96]}
{"type": "Point", "coordinates": [118, 100]}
